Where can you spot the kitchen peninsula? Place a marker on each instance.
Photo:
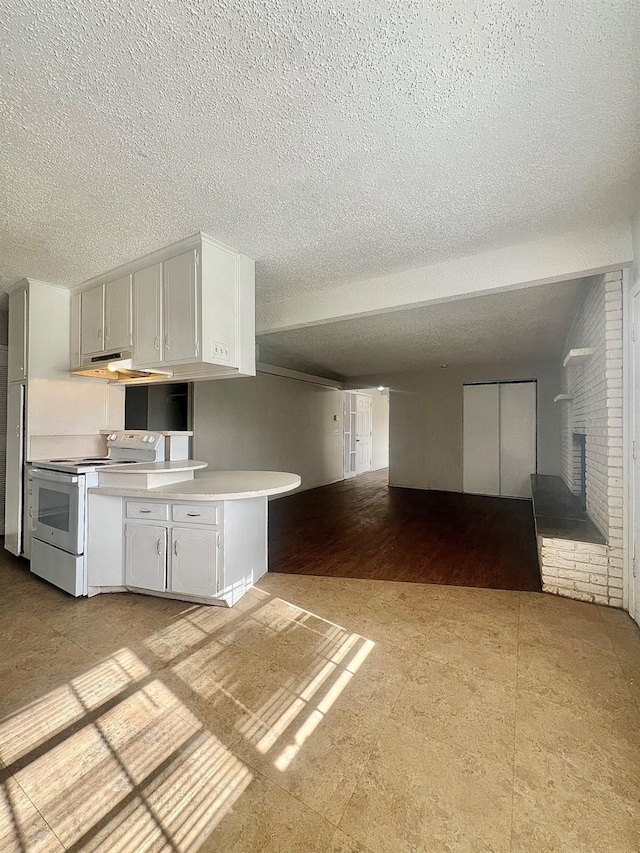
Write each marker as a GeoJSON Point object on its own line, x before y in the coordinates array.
{"type": "Point", "coordinates": [163, 530]}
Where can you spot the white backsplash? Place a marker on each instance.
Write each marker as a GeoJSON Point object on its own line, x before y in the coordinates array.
{"type": "Point", "coordinates": [67, 446]}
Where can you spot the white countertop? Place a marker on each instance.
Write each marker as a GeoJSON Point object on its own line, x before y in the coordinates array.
{"type": "Point", "coordinates": [213, 486]}
{"type": "Point", "coordinates": [155, 467]}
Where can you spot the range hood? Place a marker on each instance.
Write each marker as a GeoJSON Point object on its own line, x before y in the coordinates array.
{"type": "Point", "coordinates": [116, 367]}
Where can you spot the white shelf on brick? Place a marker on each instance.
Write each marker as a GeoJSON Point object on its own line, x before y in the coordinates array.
{"type": "Point", "coordinates": [577, 356]}
{"type": "Point", "coordinates": [563, 398]}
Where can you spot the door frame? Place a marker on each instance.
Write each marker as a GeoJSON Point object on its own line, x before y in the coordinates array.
{"type": "Point", "coordinates": [630, 392]}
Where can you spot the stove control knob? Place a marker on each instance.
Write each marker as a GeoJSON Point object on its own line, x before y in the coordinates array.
{"type": "Point", "coordinates": [113, 436]}
{"type": "Point", "coordinates": [145, 438]}
{"type": "Point", "coordinates": [151, 439]}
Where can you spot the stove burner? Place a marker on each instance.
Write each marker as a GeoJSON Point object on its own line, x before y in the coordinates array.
{"type": "Point", "coordinates": [81, 461]}
{"type": "Point", "coordinates": [93, 460]}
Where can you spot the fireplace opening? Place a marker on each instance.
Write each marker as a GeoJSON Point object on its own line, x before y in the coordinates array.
{"type": "Point", "coordinates": [580, 468]}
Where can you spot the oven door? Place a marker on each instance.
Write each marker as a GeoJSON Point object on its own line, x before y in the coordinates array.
{"type": "Point", "coordinates": [58, 509]}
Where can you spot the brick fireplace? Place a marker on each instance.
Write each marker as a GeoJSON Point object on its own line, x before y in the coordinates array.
{"type": "Point", "coordinates": [591, 436]}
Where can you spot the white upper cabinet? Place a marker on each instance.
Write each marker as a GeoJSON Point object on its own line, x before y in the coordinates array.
{"type": "Point", "coordinates": [180, 309]}
{"type": "Point", "coordinates": [165, 313]}
{"type": "Point", "coordinates": [106, 317]}
{"type": "Point", "coordinates": [192, 312]}
{"type": "Point", "coordinates": [117, 314]}
{"type": "Point", "coordinates": [74, 337]}
{"type": "Point", "coordinates": [147, 316]}
{"type": "Point", "coordinates": [92, 321]}
{"type": "Point", "coordinates": [17, 363]}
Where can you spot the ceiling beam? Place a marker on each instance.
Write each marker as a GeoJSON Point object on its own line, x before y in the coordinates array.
{"type": "Point", "coordinates": [558, 258]}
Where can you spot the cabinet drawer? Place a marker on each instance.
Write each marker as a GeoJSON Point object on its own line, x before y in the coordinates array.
{"type": "Point", "coordinates": [156, 511]}
{"type": "Point", "coordinates": [203, 514]}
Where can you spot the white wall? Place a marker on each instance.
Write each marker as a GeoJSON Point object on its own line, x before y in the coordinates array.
{"type": "Point", "coordinates": [379, 427]}
{"type": "Point", "coordinates": [269, 423]}
{"type": "Point", "coordinates": [425, 420]}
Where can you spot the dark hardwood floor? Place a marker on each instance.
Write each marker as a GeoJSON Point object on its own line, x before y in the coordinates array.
{"type": "Point", "coordinates": [361, 528]}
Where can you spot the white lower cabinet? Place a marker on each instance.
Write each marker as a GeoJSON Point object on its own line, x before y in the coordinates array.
{"type": "Point", "coordinates": [185, 559]}
{"type": "Point", "coordinates": [194, 560]}
{"type": "Point", "coordinates": [145, 560]}
{"type": "Point", "coordinates": [206, 552]}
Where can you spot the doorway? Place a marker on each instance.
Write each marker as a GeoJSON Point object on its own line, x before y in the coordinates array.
{"type": "Point", "coordinates": [365, 430]}
{"type": "Point", "coordinates": [363, 433]}
{"type": "Point", "coordinates": [499, 438]}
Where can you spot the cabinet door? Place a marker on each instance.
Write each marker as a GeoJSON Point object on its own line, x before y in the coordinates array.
{"type": "Point", "coordinates": [14, 472]}
{"type": "Point", "coordinates": [117, 314]}
{"type": "Point", "coordinates": [75, 358]}
{"type": "Point", "coordinates": [17, 369]}
{"type": "Point", "coordinates": [92, 320]}
{"type": "Point", "coordinates": [181, 339]}
{"type": "Point", "coordinates": [194, 561]}
{"type": "Point", "coordinates": [147, 319]}
{"type": "Point", "coordinates": [145, 556]}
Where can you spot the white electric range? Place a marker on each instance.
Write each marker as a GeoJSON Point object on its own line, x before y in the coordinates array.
{"type": "Point", "coordinates": [59, 545]}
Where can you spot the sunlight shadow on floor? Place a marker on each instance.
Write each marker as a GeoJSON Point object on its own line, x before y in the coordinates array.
{"type": "Point", "coordinates": [114, 759]}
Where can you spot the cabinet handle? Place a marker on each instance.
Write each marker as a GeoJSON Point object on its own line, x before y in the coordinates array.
{"type": "Point", "coordinates": [193, 514]}
{"type": "Point", "coordinates": [99, 334]}
{"type": "Point", "coordinates": [18, 431]}
{"type": "Point", "coordinates": [108, 335]}
{"type": "Point", "coordinates": [156, 342]}
{"type": "Point", "coordinates": [175, 547]}
{"type": "Point", "coordinates": [144, 510]}
{"type": "Point", "coordinates": [217, 540]}
{"type": "Point", "coordinates": [166, 342]}
{"type": "Point", "coordinates": [159, 547]}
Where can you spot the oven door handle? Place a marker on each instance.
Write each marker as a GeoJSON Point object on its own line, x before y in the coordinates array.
{"type": "Point", "coordinates": [56, 476]}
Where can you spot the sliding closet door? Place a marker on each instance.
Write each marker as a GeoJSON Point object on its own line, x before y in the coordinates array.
{"type": "Point", "coordinates": [481, 445]}
{"type": "Point", "coordinates": [517, 438]}
{"type": "Point", "coordinates": [499, 438]}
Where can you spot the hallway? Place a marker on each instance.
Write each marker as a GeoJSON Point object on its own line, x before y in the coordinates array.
{"type": "Point", "coordinates": [362, 528]}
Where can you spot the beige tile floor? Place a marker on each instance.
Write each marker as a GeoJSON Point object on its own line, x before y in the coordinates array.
{"type": "Point", "coordinates": [317, 715]}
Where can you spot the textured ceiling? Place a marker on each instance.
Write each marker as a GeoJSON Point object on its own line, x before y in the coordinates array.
{"type": "Point", "coordinates": [516, 325]}
{"type": "Point", "coordinates": [331, 142]}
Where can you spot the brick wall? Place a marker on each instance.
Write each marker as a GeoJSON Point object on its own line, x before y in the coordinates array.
{"type": "Point", "coordinates": [576, 569]}
{"type": "Point", "coordinates": [596, 412]}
